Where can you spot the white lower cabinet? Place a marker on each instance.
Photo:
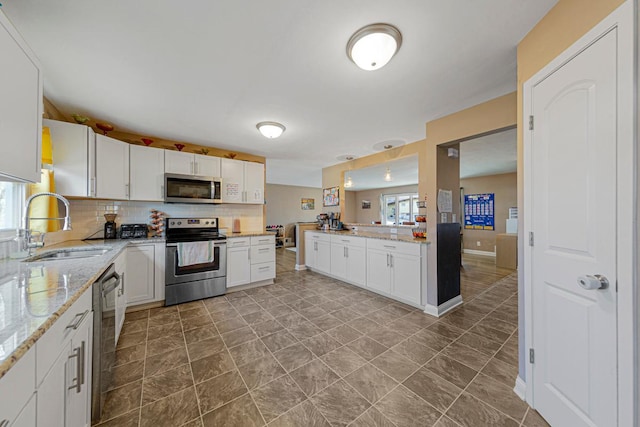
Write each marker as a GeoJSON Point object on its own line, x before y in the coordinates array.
{"type": "Point", "coordinates": [348, 259]}
{"type": "Point", "coordinates": [318, 251]}
{"type": "Point", "coordinates": [140, 274]}
{"type": "Point", "coordinates": [120, 265]}
{"type": "Point", "coordinates": [250, 260]}
{"type": "Point", "coordinates": [393, 268]}
{"type": "Point", "coordinates": [238, 261]}
{"type": "Point", "coordinates": [50, 386]}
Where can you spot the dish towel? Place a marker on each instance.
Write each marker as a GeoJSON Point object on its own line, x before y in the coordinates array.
{"type": "Point", "coordinates": [190, 253]}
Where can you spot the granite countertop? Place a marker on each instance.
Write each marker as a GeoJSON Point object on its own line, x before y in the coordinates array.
{"type": "Point", "coordinates": [250, 234]}
{"type": "Point", "coordinates": [34, 294]}
{"type": "Point", "coordinates": [380, 236]}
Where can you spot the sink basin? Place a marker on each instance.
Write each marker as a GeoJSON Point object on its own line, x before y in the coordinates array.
{"type": "Point", "coordinates": [70, 253]}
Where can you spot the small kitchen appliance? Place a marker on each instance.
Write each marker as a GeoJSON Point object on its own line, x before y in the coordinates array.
{"type": "Point", "coordinates": [110, 228]}
{"type": "Point", "coordinates": [133, 231]}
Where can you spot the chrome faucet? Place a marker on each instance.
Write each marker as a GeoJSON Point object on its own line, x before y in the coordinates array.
{"type": "Point", "coordinates": [25, 233]}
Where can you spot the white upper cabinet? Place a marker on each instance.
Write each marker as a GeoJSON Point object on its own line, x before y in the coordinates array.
{"type": "Point", "coordinates": [112, 168]}
{"type": "Point", "coordinates": [20, 108]}
{"type": "Point", "coordinates": [207, 165]}
{"type": "Point", "coordinates": [146, 173]}
{"type": "Point", "coordinates": [242, 182]}
{"type": "Point", "coordinates": [232, 173]}
{"type": "Point", "coordinates": [191, 164]}
{"type": "Point", "coordinates": [178, 162]}
{"type": "Point", "coordinates": [254, 182]}
{"type": "Point", "coordinates": [74, 158]}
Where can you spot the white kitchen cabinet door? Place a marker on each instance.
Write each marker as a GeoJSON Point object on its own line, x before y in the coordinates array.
{"type": "Point", "coordinates": [207, 165]}
{"type": "Point", "coordinates": [378, 270]}
{"type": "Point", "coordinates": [339, 260]}
{"type": "Point", "coordinates": [146, 173]}
{"type": "Point", "coordinates": [178, 162]}
{"type": "Point", "coordinates": [405, 271]}
{"type": "Point", "coordinates": [120, 265]}
{"type": "Point", "coordinates": [78, 388]}
{"type": "Point", "coordinates": [20, 109]}
{"type": "Point", "coordinates": [27, 417]}
{"type": "Point", "coordinates": [52, 392]}
{"type": "Point", "coordinates": [238, 266]}
{"type": "Point", "coordinates": [356, 265]}
{"type": "Point", "coordinates": [254, 183]}
{"type": "Point", "coordinates": [232, 173]}
{"type": "Point", "coordinates": [140, 274]}
{"type": "Point", "coordinates": [112, 168]}
{"type": "Point", "coordinates": [323, 257]}
{"type": "Point", "coordinates": [309, 250]}
{"type": "Point", "coordinates": [74, 158]}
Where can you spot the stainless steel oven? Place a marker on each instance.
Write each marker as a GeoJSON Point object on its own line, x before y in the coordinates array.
{"type": "Point", "coordinates": [195, 281]}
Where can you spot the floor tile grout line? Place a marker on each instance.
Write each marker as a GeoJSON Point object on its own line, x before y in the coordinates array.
{"type": "Point", "coordinates": [186, 347]}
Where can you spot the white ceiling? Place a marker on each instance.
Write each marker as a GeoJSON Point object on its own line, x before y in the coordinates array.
{"type": "Point", "coordinates": [489, 155]}
{"type": "Point", "coordinates": [207, 71]}
{"type": "Point", "coordinates": [404, 171]}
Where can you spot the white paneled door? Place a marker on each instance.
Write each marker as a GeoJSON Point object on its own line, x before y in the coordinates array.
{"type": "Point", "coordinates": [573, 154]}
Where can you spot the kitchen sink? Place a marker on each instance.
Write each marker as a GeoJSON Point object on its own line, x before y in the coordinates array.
{"type": "Point", "coordinates": [69, 253]}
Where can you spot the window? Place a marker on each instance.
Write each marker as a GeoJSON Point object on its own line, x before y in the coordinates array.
{"type": "Point", "coordinates": [399, 208]}
{"type": "Point", "coordinates": [11, 200]}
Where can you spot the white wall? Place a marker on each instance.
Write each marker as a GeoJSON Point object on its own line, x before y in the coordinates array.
{"type": "Point", "coordinates": [87, 216]}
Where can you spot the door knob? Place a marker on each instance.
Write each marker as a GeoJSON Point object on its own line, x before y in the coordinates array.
{"type": "Point", "coordinates": [596, 281]}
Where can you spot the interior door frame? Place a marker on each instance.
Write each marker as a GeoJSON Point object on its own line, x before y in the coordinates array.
{"type": "Point", "coordinates": [627, 203]}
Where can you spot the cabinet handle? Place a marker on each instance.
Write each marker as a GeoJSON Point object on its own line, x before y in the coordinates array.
{"type": "Point", "coordinates": [74, 325]}
{"type": "Point", "coordinates": [126, 190]}
{"type": "Point", "coordinates": [122, 287]}
{"type": "Point", "coordinates": [92, 192]}
{"type": "Point", "coordinates": [263, 249]}
{"type": "Point", "coordinates": [264, 268]}
{"type": "Point", "coordinates": [387, 260]}
{"type": "Point", "coordinates": [76, 381]}
{"type": "Point", "coordinates": [389, 246]}
{"type": "Point", "coordinates": [82, 362]}
{"type": "Point", "coordinates": [391, 259]}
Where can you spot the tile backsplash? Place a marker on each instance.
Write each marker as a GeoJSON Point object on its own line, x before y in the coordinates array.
{"type": "Point", "coordinates": [87, 216]}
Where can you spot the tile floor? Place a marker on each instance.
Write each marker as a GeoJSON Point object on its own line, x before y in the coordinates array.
{"type": "Point", "coordinates": [313, 351]}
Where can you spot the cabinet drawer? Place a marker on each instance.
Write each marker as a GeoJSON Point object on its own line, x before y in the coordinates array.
{"type": "Point", "coordinates": [238, 241]}
{"type": "Point", "coordinates": [17, 386]}
{"type": "Point", "coordinates": [394, 246]}
{"type": "Point", "coordinates": [263, 240]}
{"type": "Point", "coordinates": [59, 334]}
{"type": "Point", "coordinates": [359, 242]}
{"type": "Point", "coordinates": [263, 253]}
{"type": "Point", "coordinates": [264, 271]}
{"type": "Point", "coordinates": [321, 237]}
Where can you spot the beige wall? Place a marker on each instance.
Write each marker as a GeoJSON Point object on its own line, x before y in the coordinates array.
{"type": "Point", "coordinates": [284, 205]}
{"type": "Point", "coordinates": [449, 179]}
{"type": "Point", "coordinates": [367, 216]}
{"type": "Point", "coordinates": [504, 186]}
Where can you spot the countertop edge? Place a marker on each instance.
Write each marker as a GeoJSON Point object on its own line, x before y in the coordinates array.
{"type": "Point", "coordinates": [29, 342]}
{"type": "Point", "coordinates": [371, 235]}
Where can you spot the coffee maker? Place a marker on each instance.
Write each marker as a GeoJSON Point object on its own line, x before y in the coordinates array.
{"type": "Point", "coordinates": [110, 228]}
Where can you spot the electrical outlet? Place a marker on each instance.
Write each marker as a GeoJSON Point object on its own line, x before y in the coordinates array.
{"type": "Point", "coordinates": [478, 243]}
{"type": "Point", "coordinates": [393, 230]}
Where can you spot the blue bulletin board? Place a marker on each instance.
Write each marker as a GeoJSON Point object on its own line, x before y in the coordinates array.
{"type": "Point", "coordinates": [478, 211]}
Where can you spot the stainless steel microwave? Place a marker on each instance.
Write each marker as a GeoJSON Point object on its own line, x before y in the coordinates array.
{"type": "Point", "coordinates": [191, 189]}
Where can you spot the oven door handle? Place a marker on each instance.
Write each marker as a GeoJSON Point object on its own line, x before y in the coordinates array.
{"type": "Point", "coordinates": [216, 243]}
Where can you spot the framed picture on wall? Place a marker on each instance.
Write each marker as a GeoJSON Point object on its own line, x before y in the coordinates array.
{"type": "Point", "coordinates": [366, 204]}
{"type": "Point", "coordinates": [331, 196]}
{"type": "Point", "coordinates": [307, 204]}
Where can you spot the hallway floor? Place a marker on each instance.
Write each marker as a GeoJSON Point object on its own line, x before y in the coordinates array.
{"type": "Point", "coordinates": [313, 351]}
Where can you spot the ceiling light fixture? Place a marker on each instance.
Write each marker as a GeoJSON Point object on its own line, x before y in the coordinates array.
{"type": "Point", "coordinates": [387, 175]}
{"type": "Point", "coordinates": [270, 130]}
{"type": "Point", "coordinates": [373, 46]}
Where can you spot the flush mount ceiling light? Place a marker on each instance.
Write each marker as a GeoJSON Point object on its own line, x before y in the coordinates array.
{"type": "Point", "coordinates": [387, 175]}
{"type": "Point", "coordinates": [373, 46]}
{"type": "Point", "coordinates": [270, 130]}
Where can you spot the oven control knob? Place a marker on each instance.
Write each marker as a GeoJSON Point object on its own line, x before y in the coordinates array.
{"type": "Point", "coordinates": [207, 222]}
{"type": "Point", "coordinates": [179, 222]}
{"type": "Point", "coordinates": [172, 223]}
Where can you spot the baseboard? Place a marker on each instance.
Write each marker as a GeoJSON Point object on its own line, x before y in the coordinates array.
{"type": "Point", "coordinates": [443, 308]}
{"type": "Point", "coordinates": [475, 252]}
{"type": "Point", "coordinates": [300, 267]}
{"type": "Point", "coordinates": [520, 389]}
